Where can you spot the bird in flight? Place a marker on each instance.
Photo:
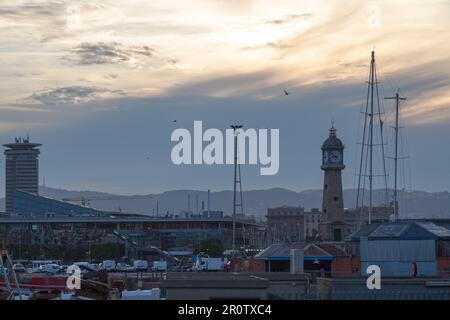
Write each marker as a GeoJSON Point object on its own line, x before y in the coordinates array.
{"type": "Point", "coordinates": [286, 93]}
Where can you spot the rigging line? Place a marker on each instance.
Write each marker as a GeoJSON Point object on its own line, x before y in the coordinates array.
{"type": "Point", "coordinates": [382, 142]}
{"type": "Point", "coordinates": [364, 181]}
{"type": "Point", "coordinates": [240, 189]}
{"type": "Point", "coordinates": [391, 81]}
{"type": "Point", "coordinates": [356, 151]}
{"type": "Point", "coordinates": [406, 168]}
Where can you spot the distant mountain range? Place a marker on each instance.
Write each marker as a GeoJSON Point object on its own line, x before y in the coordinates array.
{"type": "Point", "coordinates": [413, 204]}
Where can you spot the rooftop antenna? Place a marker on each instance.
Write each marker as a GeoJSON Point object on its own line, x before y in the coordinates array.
{"type": "Point", "coordinates": [397, 99]}
{"type": "Point", "coordinates": [236, 184]}
{"type": "Point", "coordinates": [368, 141]}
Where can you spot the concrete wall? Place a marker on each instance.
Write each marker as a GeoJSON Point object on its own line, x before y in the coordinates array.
{"type": "Point", "coordinates": [391, 289]}
{"type": "Point", "coordinates": [215, 294]}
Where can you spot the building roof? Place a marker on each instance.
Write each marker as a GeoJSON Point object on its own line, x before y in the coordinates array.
{"type": "Point", "coordinates": [35, 209]}
{"type": "Point", "coordinates": [281, 251]}
{"type": "Point", "coordinates": [402, 230]}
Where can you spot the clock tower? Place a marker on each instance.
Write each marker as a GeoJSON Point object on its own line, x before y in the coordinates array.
{"type": "Point", "coordinates": [332, 226]}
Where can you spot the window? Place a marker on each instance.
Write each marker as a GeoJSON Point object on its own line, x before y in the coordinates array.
{"type": "Point", "coordinates": [337, 235]}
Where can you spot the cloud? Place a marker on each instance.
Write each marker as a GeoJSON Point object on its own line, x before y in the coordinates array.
{"type": "Point", "coordinates": [269, 45]}
{"type": "Point", "coordinates": [71, 95]}
{"type": "Point", "coordinates": [108, 53]}
{"type": "Point", "coordinates": [290, 18]}
{"type": "Point", "coordinates": [37, 11]}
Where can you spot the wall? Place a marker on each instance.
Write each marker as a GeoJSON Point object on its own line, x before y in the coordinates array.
{"type": "Point", "coordinates": [391, 289]}
{"type": "Point", "coordinates": [349, 266]}
{"type": "Point", "coordinates": [247, 265]}
{"type": "Point", "coordinates": [398, 250]}
{"type": "Point", "coordinates": [443, 267]}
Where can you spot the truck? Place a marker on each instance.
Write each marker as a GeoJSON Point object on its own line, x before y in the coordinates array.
{"type": "Point", "coordinates": [209, 264]}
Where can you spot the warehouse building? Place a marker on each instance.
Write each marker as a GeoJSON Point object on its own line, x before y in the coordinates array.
{"type": "Point", "coordinates": [404, 248]}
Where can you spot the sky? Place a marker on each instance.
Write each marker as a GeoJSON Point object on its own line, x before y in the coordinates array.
{"type": "Point", "coordinates": [100, 83]}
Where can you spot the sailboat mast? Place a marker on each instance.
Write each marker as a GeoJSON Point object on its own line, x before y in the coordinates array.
{"type": "Point", "coordinates": [372, 82]}
{"type": "Point", "coordinates": [397, 99]}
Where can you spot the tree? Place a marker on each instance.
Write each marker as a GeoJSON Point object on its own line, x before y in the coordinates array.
{"type": "Point", "coordinates": [212, 247]}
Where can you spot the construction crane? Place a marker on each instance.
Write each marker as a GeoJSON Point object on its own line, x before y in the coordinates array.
{"type": "Point", "coordinates": [85, 201]}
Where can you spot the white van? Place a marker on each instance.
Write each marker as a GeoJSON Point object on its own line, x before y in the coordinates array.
{"type": "Point", "coordinates": [140, 265]}
{"type": "Point", "coordinates": [109, 265]}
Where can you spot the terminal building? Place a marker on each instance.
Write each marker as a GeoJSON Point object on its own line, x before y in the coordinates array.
{"type": "Point", "coordinates": [34, 220]}
{"type": "Point", "coordinates": [44, 221]}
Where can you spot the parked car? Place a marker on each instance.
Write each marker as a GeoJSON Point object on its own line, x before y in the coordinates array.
{"type": "Point", "coordinates": [94, 266]}
{"type": "Point", "coordinates": [36, 265]}
{"type": "Point", "coordinates": [50, 268]}
{"type": "Point", "coordinates": [19, 268]}
{"type": "Point", "coordinates": [86, 267]}
{"type": "Point", "coordinates": [123, 267]}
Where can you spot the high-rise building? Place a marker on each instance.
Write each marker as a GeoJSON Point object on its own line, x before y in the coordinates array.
{"type": "Point", "coordinates": [22, 169]}
{"type": "Point", "coordinates": [332, 225]}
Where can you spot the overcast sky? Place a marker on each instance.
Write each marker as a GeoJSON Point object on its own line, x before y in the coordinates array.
{"type": "Point", "coordinates": [100, 90]}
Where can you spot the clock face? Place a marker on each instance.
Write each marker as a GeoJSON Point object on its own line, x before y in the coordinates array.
{"type": "Point", "coordinates": [335, 157]}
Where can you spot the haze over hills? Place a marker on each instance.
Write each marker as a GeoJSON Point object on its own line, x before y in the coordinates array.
{"type": "Point", "coordinates": [419, 204]}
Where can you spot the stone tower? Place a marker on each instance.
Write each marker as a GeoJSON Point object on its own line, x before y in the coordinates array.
{"type": "Point", "coordinates": [332, 226]}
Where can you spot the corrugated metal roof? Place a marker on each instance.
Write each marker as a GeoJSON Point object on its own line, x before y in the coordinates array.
{"type": "Point", "coordinates": [402, 230]}
{"type": "Point", "coordinates": [364, 231]}
{"type": "Point", "coordinates": [389, 230]}
{"type": "Point", "coordinates": [440, 231]}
